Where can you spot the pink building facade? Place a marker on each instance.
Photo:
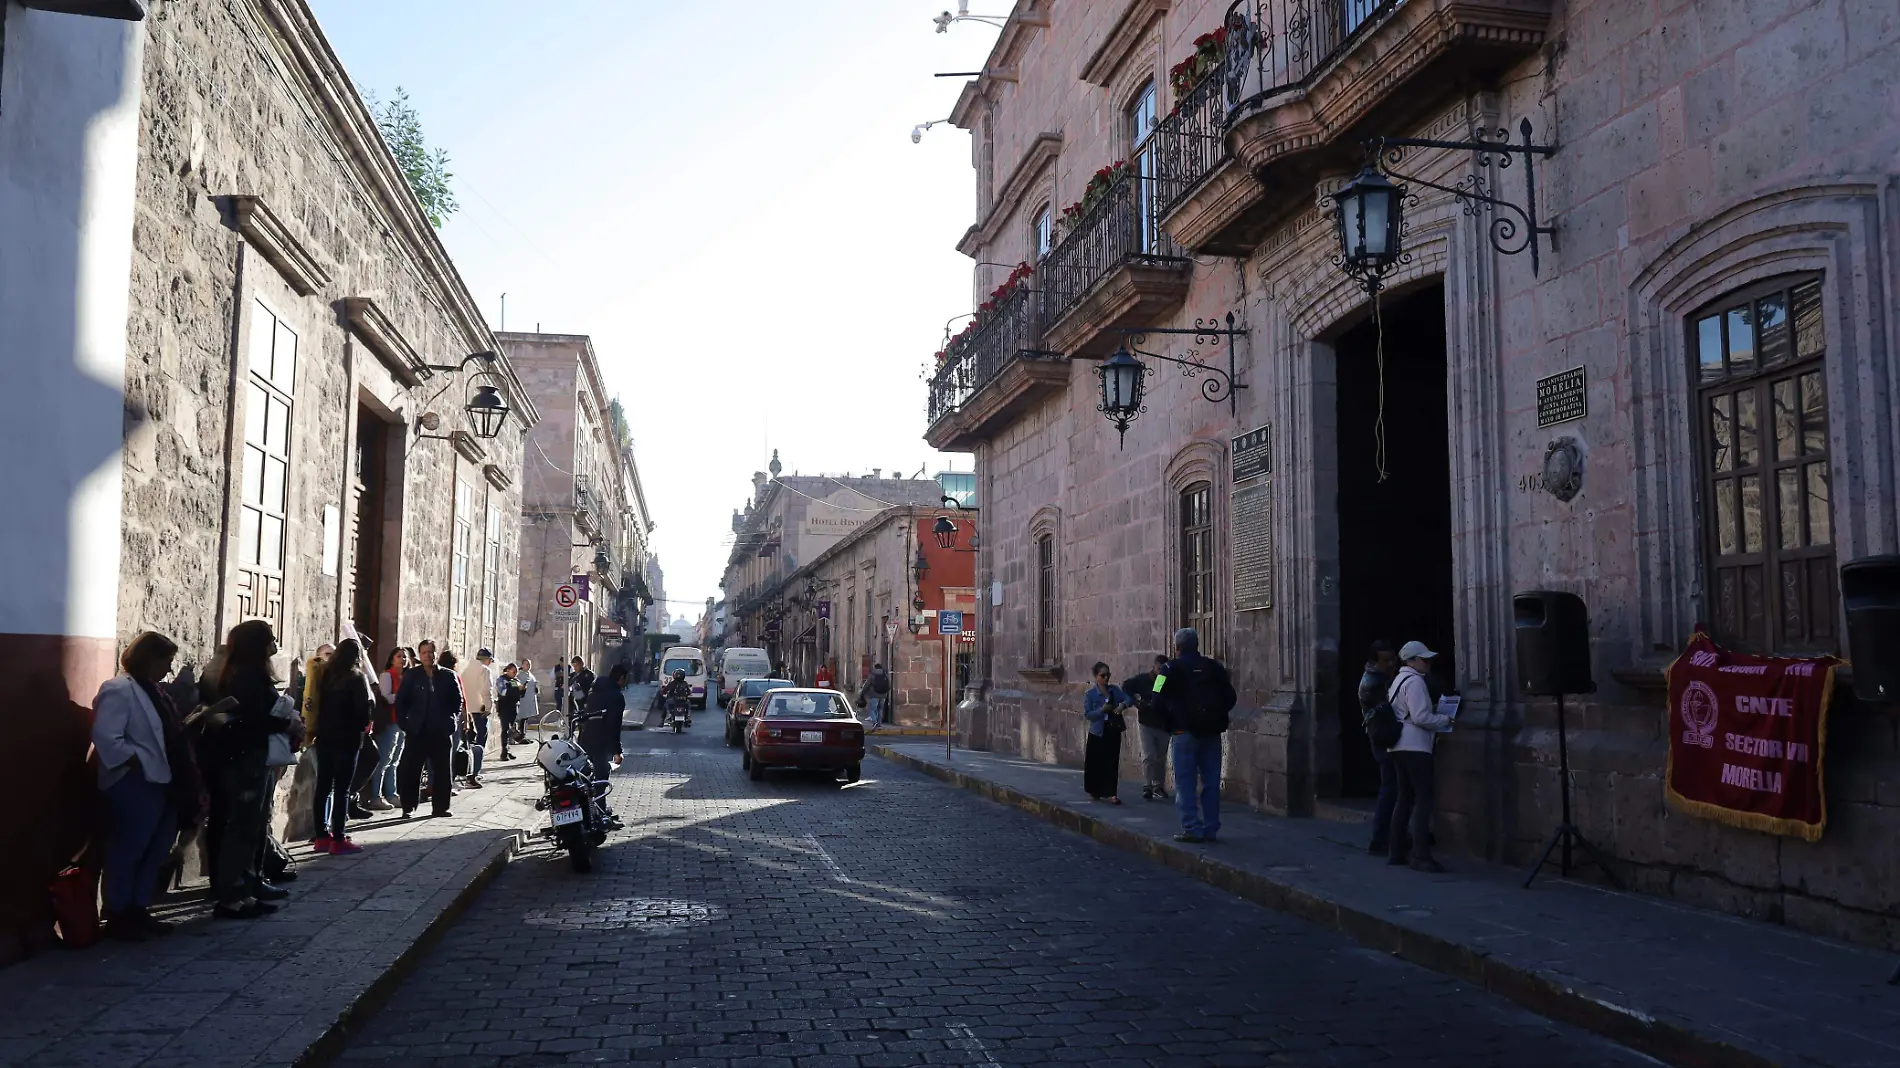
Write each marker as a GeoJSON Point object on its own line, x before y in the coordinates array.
{"type": "Point", "coordinates": [1710, 326]}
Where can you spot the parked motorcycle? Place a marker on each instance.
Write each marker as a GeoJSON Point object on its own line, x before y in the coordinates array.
{"type": "Point", "coordinates": [574, 800]}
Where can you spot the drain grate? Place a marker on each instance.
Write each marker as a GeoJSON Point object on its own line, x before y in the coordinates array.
{"type": "Point", "coordinates": [654, 915]}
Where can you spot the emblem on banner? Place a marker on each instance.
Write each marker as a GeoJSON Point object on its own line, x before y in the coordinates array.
{"type": "Point", "coordinates": [1698, 714]}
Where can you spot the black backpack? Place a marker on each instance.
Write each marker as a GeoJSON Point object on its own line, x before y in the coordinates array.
{"type": "Point", "coordinates": [1382, 725]}
{"type": "Point", "coordinates": [1204, 697]}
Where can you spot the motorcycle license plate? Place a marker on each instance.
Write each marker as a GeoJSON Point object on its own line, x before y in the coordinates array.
{"type": "Point", "coordinates": [567, 816]}
{"type": "Point", "coordinates": [811, 736]}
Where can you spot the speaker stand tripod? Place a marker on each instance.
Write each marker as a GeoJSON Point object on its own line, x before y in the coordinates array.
{"type": "Point", "coordinates": [1567, 836]}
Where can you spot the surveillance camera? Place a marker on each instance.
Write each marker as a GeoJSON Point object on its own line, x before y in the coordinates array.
{"type": "Point", "coordinates": [916, 135]}
{"type": "Point", "coordinates": [943, 22]}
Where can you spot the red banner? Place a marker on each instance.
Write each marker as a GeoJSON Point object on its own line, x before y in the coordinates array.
{"type": "Point", "coordinates": [1746, 738]}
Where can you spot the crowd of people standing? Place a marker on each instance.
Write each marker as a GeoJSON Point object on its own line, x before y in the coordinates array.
{"type": "Point", "coordinates": [201, 759]}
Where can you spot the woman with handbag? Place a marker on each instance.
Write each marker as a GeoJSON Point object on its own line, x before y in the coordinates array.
{"type": "Point", "coordinates": [1102, 753]}
{"type": "Point", "coordinates": [149, 780]}
{"type": "Point", "coordinates": [240, 751]}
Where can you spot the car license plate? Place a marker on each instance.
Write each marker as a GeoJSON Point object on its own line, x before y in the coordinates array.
{"type": "Point", "coordinates": [811, 736]}
{"type": "Point", "coordinates": [567, 816]}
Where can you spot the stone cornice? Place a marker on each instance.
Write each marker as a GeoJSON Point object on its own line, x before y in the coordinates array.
{"type": "Point", "coordinates": [313, 70]}
{"type": "Point", "coordinates": [269, 235]}
{"type": "Point", "coordinates": [466, 444]}
{"type": "Point", "coordinates": [377, 333]}
{"type": "Point", "coordinates": [1122, 40]}
{"type": "Point", "coordinates": [1041, 153]}
{"type": "Point", "coordinates": [1026, 17]}
{"type": "Point", "coordinates": [496, 477]}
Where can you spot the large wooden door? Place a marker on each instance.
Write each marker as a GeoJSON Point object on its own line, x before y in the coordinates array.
{"type": "Point", "coordinates": [364, 572]}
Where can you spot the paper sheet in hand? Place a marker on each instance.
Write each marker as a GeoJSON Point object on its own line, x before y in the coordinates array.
{"type": "Point", "coordinates": [1448, 706]}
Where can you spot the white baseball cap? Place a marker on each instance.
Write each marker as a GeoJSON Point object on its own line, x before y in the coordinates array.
{"type": "Point", "coordinates": [1415, 651]}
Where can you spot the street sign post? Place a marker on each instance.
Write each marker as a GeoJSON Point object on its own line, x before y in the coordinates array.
{"type": "Point", "coordinates": [949, 622]}
{"type": "Point", "coordinates": [567, 604]}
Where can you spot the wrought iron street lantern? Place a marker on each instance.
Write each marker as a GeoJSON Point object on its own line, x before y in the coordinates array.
{"type": "Point", "coordinates": [1369, 214]}
{"type": "Point", "coordinates": [1124, 396]}
{"type": "Point", "coordinates": [487, 411]}
{"type": "Point", "coordinates": [1121, 376]}
{"type": "Point", "coordinates": [602, 563]}
{"type": "Point", "coordinates": [945, 532]}
{"type": "Point", "coordinates": [921, 566]}
{"type": "Point", "coordinates": [1369, 210]}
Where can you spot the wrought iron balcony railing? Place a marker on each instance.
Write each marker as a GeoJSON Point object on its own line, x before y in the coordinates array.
{"type": "Point", "coordinates": [1012, 329]}
{"type": "Point", "coordinates": [1119, 229]}
{"type": "Point", "coordinates": [1190, 143]}
{"type": "Point", "coordinates": [1273, 46]}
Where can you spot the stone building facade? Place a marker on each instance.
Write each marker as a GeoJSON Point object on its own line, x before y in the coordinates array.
{"type": "Point", "coordinates": [789, 522]}
{"type": "Point", "coordinates": [866, 601]}
{"type": "Point", "coordinates": [287, 378]}
{"type": "Point", "coordinates": [583, 510]}
{"type": "Point", "coordinates": [1723, 184]}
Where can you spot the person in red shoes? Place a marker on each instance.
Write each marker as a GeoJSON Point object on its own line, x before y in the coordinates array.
{"type": "Point", "coordinates": [343, 717]}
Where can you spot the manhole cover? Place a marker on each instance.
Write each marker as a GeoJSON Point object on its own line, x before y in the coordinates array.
{"type": "Point", "coordinates": [657, 915]}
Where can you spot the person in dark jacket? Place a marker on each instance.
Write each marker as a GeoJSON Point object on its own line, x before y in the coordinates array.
{"type": "Point", "coordinates": [600, 721]}
{"type": "Point", "coordinates": [1154, 732]}
{"type": "Point", "coordinates": [508, 693]}
{"type": "Point", "coordinates": [428, 708]}
{"type": "Point", "coordinates": [1382, 665]}
{"type": "Point", "coordinates": [345, 709]}
{"type": "Point", "coordinates": [239, 745]}
{"type": "Point", "coordinates": [1194, 693]}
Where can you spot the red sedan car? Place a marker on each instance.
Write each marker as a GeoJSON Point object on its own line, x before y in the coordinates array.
{"type": "Point", "coordinates": [804, 728]}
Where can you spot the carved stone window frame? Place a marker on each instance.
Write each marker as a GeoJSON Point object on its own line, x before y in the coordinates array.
{"type": "Point", "coordinates": [1200, 460]}
{"type": "Point", "coordinates": [1043, 661]}
{"type": "Point", "coordinates": [1837, 230]}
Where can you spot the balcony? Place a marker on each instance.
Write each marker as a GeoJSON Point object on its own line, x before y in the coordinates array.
{"type": "Point", "coordinates": [993, 374]}
{"type": "Point", "coordinates": [1115, 268]}
{"type": "Point", "coordinates": [1303, 81]}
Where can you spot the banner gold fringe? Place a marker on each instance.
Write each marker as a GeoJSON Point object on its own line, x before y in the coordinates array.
{"type": "Point", "coordinates": [1749, 821]}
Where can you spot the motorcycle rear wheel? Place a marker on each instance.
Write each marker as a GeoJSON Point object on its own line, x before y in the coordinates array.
{"type": "Point", "coordinates": [582, 857]}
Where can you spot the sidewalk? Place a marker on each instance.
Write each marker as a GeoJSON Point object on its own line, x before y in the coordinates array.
{"type": "Point", "coordinates": [1684, 985]}
{"type": "Point", "coordinates": [278, 990]}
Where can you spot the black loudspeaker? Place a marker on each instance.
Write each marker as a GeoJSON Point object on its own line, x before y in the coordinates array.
{"type": "Point", "coordinates": [1870, 596]}
{"type": "Point", "coordinates": [1553, 642]}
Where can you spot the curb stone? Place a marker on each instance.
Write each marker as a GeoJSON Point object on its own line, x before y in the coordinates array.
{"type": "Point", "coordinates": [1544, 994]}
{"type": "Point", "coordinates": [323, 1047]}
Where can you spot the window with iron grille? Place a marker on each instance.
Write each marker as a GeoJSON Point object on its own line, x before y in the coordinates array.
{"type": "Point", "coordinates": [264, 500]}
{"type": "Point", "coordinates": [1046, 599]}
{"type": "Point", "coordinates": [1761, 417]}
{"type": "Point", "coordinates": [491, 575]}
{"type": "Point", "coordinates": [1197, 561]}
{"type": "Point", "coordinates": [461, 550]}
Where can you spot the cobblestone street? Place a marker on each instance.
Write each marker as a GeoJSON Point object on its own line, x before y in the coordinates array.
{"type": "Point", "coordinates": [901, 921]}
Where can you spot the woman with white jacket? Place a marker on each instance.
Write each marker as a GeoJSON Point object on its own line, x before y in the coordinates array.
{"type": "Point", "coordinates": [135, 732]}
{"type": "Point", "coordinates": [1411, 701]}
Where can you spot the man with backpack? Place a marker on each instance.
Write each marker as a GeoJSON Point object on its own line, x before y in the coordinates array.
{"type": "Point", "coordinates": [1382, 733]}
{"type": "Point", "coordinates": [1195, 695]}
{"type": "Point", "coordinates": [876, 696]}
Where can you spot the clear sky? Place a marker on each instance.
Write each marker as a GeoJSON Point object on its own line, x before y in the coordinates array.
{"type": "Point", "coordinates": [724, 194]}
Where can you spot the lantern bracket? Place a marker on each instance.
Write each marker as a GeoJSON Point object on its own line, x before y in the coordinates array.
{"type": "Point", "coordinates": [1513, 228]}
{"type": "Point", "coordinates": [1219, 385]}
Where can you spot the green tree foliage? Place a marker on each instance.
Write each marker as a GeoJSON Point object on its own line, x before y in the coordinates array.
{"type": "Point", "coordinates": [427, 169]}
{"type": "Point", "coordinates": [623, 434]}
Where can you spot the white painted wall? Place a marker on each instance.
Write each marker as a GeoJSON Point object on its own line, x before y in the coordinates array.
{"type": "Point", "coordinates": [69, 122]}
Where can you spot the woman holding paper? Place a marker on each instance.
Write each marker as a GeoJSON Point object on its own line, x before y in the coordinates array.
{"type": "Point", "coordinates": [1411, 700]}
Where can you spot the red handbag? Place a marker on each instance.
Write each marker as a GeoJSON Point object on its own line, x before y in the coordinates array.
{"type": "Point", "coordinates": [75, 894]}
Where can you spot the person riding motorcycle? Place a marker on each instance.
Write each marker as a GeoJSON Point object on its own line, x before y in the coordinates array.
{"type": "Point", "coordinates": [678, 689]}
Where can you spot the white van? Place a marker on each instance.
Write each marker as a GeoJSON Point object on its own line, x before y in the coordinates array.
{"type": "Point", "coordinates": [738, 664]}
{"type": "Point", "coordinates": [686, 658]}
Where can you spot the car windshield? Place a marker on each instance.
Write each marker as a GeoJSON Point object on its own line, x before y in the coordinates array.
{"type": "Point", "coordinates": [691, 667]}
{"type": "Point", "coordinates": [801, 705]}
{"type": "Point", "coordinates": [755, 687]}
